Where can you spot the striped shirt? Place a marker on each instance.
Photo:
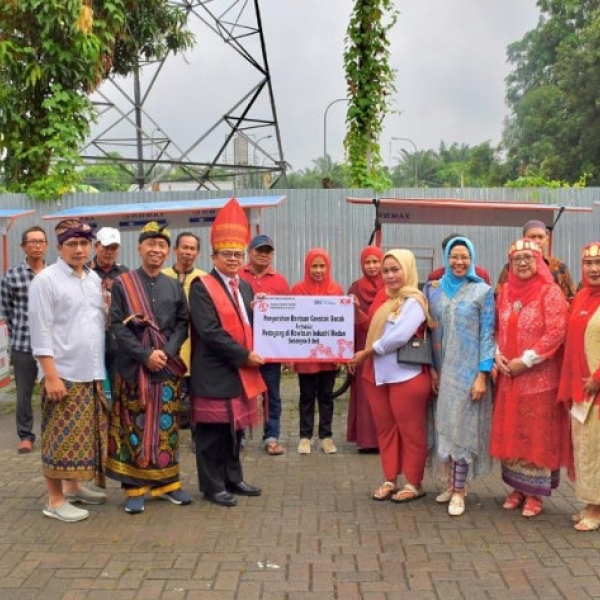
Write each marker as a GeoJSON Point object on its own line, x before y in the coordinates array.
{"type": "Point", "coordinates": [14, 296]}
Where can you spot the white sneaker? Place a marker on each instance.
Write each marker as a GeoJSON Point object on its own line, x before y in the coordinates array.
{"type": "Point", "coordinates": [304, 446]}
{"type": "Point", "coordinates": [66, 512]}
{"type": "Point", "coordinates": [444, 497]}
{"type": "Point", "coordinates": [456, 508]}
{"type": "Point", "coordinates": [328, 446]}
{"type": "Point", "coordinates": [86, 496]}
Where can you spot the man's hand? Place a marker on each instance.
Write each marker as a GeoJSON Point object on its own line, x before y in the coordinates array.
{"type": "Point", "coordinates": [254, 360]}
{"type": "Point", "coordinates": [55, 389]}
{"type": "Point", "coordinates": [157, 361]}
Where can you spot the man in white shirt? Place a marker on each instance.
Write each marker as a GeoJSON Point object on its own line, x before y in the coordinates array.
{"type": "Point", "coordinates": [66, 317]}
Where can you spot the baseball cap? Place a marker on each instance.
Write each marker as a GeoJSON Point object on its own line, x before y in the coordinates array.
{"type": "Point", "coordinates": [108, 236]}
{"type": "Point", "coordinates": [261, 240]}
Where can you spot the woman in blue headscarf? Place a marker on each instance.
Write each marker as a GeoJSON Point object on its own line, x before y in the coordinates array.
{"type": "Point", "coordinates": [463, 342]}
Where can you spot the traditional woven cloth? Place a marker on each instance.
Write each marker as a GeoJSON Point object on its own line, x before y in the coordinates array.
{"type": "Point", "coordinates": [128, 423]}
{"type": "Point", "coordinates": [74, 435]}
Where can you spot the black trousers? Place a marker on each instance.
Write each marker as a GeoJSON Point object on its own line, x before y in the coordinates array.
{"type": "Point", "coordinates": [217, 457]}
{"type": "Point", "coordinates": [316, 386]}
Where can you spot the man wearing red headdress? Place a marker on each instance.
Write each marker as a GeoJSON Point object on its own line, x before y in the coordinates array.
{"type": "Point", "coordinates": [225, 378]}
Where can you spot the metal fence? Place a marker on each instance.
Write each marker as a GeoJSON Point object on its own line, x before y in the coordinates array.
{"type": "Point", "coordinates": [309, 218]}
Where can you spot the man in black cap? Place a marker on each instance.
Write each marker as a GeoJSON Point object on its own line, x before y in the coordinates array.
{"type": "Point", "coordinates": [265, 280]}
{"type": "Point", "coordinates": [149, 319]}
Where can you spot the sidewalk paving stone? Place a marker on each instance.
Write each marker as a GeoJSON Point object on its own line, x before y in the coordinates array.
{"type": "Point", "coordinates": [314, 534]}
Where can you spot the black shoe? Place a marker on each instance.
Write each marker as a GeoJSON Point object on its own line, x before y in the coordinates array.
{"type": "Point", "coordinates": [244, 489]}
{"type": "Point", "coordinates": [221, 498]}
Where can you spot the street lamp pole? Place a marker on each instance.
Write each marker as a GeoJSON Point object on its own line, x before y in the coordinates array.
{"type": "Point", "coordinates": [325, 126]}
{"type": "Point", "coordinates": [403, 139]}
{"type": "Point", "coordinates": [256, 146]}
{"type": "Point", "coordinates": [254, 157]}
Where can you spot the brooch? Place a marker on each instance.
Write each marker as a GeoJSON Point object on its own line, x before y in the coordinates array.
{"type": "Point", "coordinates": [517, 306]}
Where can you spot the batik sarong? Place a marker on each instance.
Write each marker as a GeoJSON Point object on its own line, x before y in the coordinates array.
{"type": "Point", "coordinates": [128, 461]}
{"type": "Point", "coordinates": [74, 435]}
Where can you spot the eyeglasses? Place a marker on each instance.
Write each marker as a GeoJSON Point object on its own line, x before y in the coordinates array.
{"type": "Point", "coordinates": [459, 258]}
{"type": "Point", "coordinates": [72, 244]}
{"type": "Point", "coordinates": [525, 260]}
{"type": "Point", "coordinates": [264, 250]}
{"type": "Point", "coordinates": [36, 242]}
{"type": "Point", "coordinates": [231, 254]}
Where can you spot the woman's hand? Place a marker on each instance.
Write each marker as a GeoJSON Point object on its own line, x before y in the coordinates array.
{"type": "Point", "coordinates": [515, 367]}
{"type": "Point", "coordinates": [501, 363]}
{"type": "Point", "coordinates": [590, 387]}
{"type": "Point", "coordinates": [359, 358]}
{"type": "Point", "coordinates": [479, 386]}
{"type": "Point", "coordinates": [435, 381]}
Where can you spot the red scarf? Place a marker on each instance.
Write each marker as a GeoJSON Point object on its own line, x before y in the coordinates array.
{"type": "Point", "coordinates": [369, 286]}
{"type": "Point", "coordinates": [527, 290]}
{"type": "Point", "coordinates": [150, 393]}
{"type": "Point", "coordinates": [238, 329]}
{"type": "Point", "coordinates": [308, 286]}
{"type": "Point", "coordinates": [575, 365]}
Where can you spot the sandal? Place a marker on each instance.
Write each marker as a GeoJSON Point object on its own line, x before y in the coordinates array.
{"type": "Point", "coordinates": [384, 491]}
{"type": "Point", "coordinates": [274, 448]}
{"type": "Point", "coordinates": [407, 494]}
{"type": "Point", "coordinates": [588, 524]}
{"type": "Point", "coordinates": [532, 507]}
{"type": "Point", "coordinates": [579, 516]}
{"type": "Point", "coordinates": [513, 500]}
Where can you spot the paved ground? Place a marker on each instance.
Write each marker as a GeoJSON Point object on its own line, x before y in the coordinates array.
{"type": "Point", "coordinates": [313, 535]}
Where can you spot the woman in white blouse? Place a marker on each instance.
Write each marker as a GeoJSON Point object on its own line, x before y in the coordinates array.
{"type": "Point", "coordinates": [398, 393]}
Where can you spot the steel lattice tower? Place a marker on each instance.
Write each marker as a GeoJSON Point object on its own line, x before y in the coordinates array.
{"type": "Point", "coordinates": [126, 126]}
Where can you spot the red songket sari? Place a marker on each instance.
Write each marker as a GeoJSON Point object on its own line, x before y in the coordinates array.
{"type": "Point", "coordinates": [530, 430]}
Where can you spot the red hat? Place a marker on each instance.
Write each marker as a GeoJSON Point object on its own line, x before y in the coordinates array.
{"type": "Point", "coordinates": [230, 229]}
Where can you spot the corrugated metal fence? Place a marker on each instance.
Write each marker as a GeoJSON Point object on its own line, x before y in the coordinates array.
{"type": "Point", "coordinates": [310, 218]}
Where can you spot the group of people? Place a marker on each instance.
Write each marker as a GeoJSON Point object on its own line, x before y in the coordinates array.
{"type": "Point", "coordinates": [513, 376]}
{"type": "Point", "coordinates": [143, 337]}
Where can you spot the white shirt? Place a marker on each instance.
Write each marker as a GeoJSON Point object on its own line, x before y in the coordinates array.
{"type": "Point", "coordinates": [66, 320]}
{"type": "Point", "coordinates": [396, 333]}
{"type": "Point", "coordinates": [240, 302]}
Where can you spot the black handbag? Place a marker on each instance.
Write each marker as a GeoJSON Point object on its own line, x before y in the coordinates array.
{"type": "Point", "coordinates": [417, 351]}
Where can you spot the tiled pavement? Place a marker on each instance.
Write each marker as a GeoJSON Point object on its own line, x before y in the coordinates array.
{"type": "Point", "coordinates": [313, 535]}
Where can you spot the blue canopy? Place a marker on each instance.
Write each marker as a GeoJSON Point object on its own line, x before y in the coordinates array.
{"type": "Point", "coordinates": [178, 213]}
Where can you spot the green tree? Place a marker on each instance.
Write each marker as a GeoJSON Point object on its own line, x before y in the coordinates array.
{"type": "Point", "coordinates": [553, 90]}
{"type": "Point", "coordinates": [370, 81]}
{"type": "Point", "coordinates": [52, 56]}
{"type": "Point", "coordinates": [313, 178]}
{"type": "Point", "coordinates": [107, 176]}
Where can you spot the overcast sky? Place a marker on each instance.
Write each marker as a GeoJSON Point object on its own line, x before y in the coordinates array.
{"type": "Point", "coordinates": [450, 58]}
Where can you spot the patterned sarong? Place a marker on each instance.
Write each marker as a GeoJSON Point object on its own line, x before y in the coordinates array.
{"type": "Point", "coordinates": [529, 479]}
{"type": "Point", "coordinates": [74, 435]}
{"type": "Point", "coordinates": [128, 421]}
